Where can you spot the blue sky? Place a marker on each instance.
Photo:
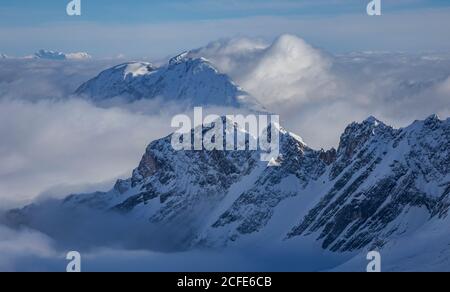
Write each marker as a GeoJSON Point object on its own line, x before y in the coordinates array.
{"type": "Point", "coordinates": [25, 12]}
{"type": "Point", "coordinates": [26, 26]}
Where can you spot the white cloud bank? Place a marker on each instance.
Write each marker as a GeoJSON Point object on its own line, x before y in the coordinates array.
{"type": "Point", "coordinates": [47, 144]}
{"type": "Point", "coordinates": [318, 94]}
{"type": "Point", "coordinates": [26, 245]}
{"type": "Point", "coordinates": [287, 70]}
{"type": "Point", "coordinates": [28, 250]}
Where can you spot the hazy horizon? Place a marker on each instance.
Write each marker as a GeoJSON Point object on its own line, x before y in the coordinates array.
{"type": "Point", "coordinates": [157, 29]}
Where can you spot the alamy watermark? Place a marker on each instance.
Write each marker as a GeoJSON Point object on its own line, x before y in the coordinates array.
{"type": "Point", "coordinates": [374, 8]}
{"type": "Point", "coordinates": [228, 133]}
{"type": "Point", "coordinates": [374, 258]}
{"type": "Point", "coordinates": [74, 8]}
{"type": "Point", "coordinates": [74, 265]}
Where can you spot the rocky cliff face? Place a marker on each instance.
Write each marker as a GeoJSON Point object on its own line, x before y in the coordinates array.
{"type": "Point", "coordinates": [380, 178]}
{"type": "Point", "coordinates": [380, 184]}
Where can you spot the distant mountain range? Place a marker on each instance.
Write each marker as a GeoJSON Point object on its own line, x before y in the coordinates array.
{"type": "Point", "coordinates": [53, 55]}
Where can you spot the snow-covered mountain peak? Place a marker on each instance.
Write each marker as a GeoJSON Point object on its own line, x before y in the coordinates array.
{"type": "Point", "coordinates": [54, 55]}
{"type": "Point", "coordinates": [50, 55]}
{"type": "Point", "coordinates": [433, 117]}
{"type": "Point", "coordinates": [193, 65]}
{"type": "Point", "coordinates": [431, 123]}
{"type": "Point", "coordinates": [432, 120]}
{"type": "Point", "coordinates": [373, 121]}
{"type": "Point", "coordinates": [356, 135]}
{"type": "Point", "coordinates": [193, 81]}
{"type": "Point", "coordinates": [178, 58]}
{"type": "Point", "coordinates": [134, 69]}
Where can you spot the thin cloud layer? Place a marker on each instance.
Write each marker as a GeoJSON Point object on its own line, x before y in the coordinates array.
{"type": "Point", "coordinates": [35, 79]}
{"type": "Point", "coordinates": [21, 248]}
{"type": "Point", "coordinates": [28, 250]}
{"type": "Point", "coordinates": [64, 145]}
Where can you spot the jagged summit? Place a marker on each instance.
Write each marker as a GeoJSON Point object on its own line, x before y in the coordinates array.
{"type": "Point", "coordinates": [179, 58]}
{"type": "Point", "coordinates": [372, 120]}
{"type": "Point", "coordinates": [357, 134]}
{"type": "Point", "coordinates": [433, 117]}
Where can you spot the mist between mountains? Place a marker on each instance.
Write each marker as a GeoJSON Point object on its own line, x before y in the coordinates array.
{"type": "Point", "coordinates": [228, 133]}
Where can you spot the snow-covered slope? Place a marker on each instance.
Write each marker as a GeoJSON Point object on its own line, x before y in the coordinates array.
{"type": "Point", "coordinates": [380, 187]}
{"type": "Point", "coordinates": [427, 249]}
{"type": "Point", "coordinates": [183, 79]}
{"type": "Point", "coordinates": [385, 183]}
{"type": "Point", "coordinates": [52, 55]}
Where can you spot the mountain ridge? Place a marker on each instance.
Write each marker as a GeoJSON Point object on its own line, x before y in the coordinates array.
{"type": "Point", "coordinates": [194, 81]}
{"type": "Point", "coordinates": [380, 184]}
{"type": "Point", "coordinates": [59, 56]}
